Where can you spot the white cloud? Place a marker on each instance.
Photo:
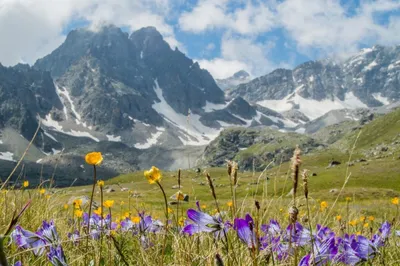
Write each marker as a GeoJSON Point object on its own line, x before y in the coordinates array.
{"type": "Point", "coordinates": [240, 53]}
{"type": "Point", "coordinates": [325, 24]}
{"type": "Point", "coordinates": [253, 18]}
{"type": "Point", "coordinates": [222, 68]}
{"type": "Point", "coordinates": [31, 29]}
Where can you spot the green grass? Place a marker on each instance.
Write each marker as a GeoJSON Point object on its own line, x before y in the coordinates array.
{"type": "Point", "coordinates": [371, 186]}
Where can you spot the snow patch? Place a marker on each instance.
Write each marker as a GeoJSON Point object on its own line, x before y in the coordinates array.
{"type": "Point", "coordinates": [50, 122]}
{"type": "Point", "coordinates": [141, 54]}
{"type": "Point", "coordinates": [395, 64]}
{"type": "Point", "coordinates": [56, 151]}
{"type": "Point", "coordinates": [76, 133]}
{"type": "Point", "coordinates": [380, 98]}
{"type": "Point", "coordinates": [311, 78]}
{"type": "Point", "coordinates": [153, 140]}
{"type": "Point", "coordinates": [209, 107]}
{"type": "Point", "coordinates": [313, 108]}
{"type": "Point", "coordinates": [7, 156]}
{"type": "Point", "coordinates": [1, 142]}
{"type": "Point", "coordinates": [190, 126]}
{"type": "Point", "coordinates": [371, 66]}
{"type": "Point", "coordinates": [114, 138]}
{"type": "Point", "coordinates": [50, 136]}
{"type": "Point", "coordinates": [300, 130]}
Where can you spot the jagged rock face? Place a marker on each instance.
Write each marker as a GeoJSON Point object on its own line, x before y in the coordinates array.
{"type": "Point", "coordinates": [370, 78]}
{"type": "Point", "coordinates": [112, 77]}
{"type": "Point", "coordinates": [230, 83]}
{"type": "Point", "coordinates": [255, 145]}
{"type": "Point", "coordinates": [24, 93]}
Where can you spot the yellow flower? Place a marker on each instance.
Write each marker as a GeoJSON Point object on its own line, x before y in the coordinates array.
{"type": "Point", "coordinates": [122, 202]}
{"type": "Point", "coordinates": [78, 213]}
{"type": "Point", "coordinates": [26, 183]}
{"type": "Point", "coordinates": [98, 211]}
{"type": "Point", "coordinates": [153, 175]}
{"type": "Point", "coordinates": [66, 206]}
{"type": "Point", "coordinates": [94, 158]}
{"type": "Point", "coordinates": [395, 201]}
{"type": "Point", "coordinates": [353, 223]}
{"type": "Point", "coordinates": [108, 203]}
{"type": "Point", "coordinates": [127, 215]}
{"type": "Point", "coordinates": [47, 196]}
{"type": "Point", "coordinates": [170, 210]}
{"type": "Point", "coordinates": [100, 183]}
{"type": "Point", "coordinates": [135, 219]}
{"type": "Point", "coordinates": [281, 210]}
{"type": "Point", "coordinates": [42, 191]}
{"type": "Point", "coordinates": [181, 221]}
{"type": "Point", "coordinates": [323, 205]}
{"type": "Point", "coordinates": [338, 217]}
{"type": "Point", "coordinates": [358, 233]}
{"type": "Point", "coordinates": [371, 218]}
{"type": "Point", "coordinates": [366, 225]}
{"type": "Point", "coordinates": [229, 203]}
{"type": "Point", "coordinates": [179, 195]}
{"type": "Point", "coordinates": [203, 206]}
{"type": "Point", "coordinates": [362, 218]}
{"type": "Point", "coordinates": [348, 198]}
{"type": "Point", "coordinates": [77, 203]}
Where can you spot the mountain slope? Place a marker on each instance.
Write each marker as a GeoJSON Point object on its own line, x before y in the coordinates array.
{"type": "Point", "coordinates": [230, 83]}
{"type": "Point", "coordinates": [368, 79]}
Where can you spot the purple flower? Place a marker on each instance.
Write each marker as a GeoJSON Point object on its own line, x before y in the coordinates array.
{"type": "Point", "coordinates": [18, 263]}
{"type": "Point", "coordinates": [126, 225]}
{"type": "Point", "coordinates": [298, 235]}
{"type": "Point", "coordinates": [56, 256]}
{"type": "Point", "coordinates": [148, 225]}
{"type": "Point", "coordinates": [324, 233]}
{"type": "Point", "coordinates": [244, 229]}
{"type": "Point", "coordinates": [379, 239]}
{"type": "Point", "coordinates": [28, 240]}
{"type": "Point", "coordinates": [75, 236]}
{"type": "Point", "coordinates": [48, 232]}
{"type": "Point", "coordinates": [204, 222]}
{"type": "Point", "coordinates": [98, 225]}
{"type": "Point", "coordinates": [306, 260]}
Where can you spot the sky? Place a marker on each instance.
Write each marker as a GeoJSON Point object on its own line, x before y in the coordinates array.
{"type": "Point", "coordinates": [224, 36]}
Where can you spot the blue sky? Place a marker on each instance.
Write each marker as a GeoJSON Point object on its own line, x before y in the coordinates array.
{"type": "Point", "coordinates": [224, 36]}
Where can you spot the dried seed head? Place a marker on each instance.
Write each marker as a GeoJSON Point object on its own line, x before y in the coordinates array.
{"type": "Point", "coordinates": [211, 185]}
{"type": "Point", "coordinates": [232, 171]}
{"type": "Point", "coordinates": [229, 166]}
{"type": "Point", "coordinates": [257, 205]}
{"type": "Point", "coordinates": [293, 212]}
{"type": "Point", "coordinates": [218, 260]}
{"type": "Point", "coordinates": [179, 178]}
{"type": "Point", "coordinates": [295, 169]}
{"type": "Point", "coordinates": [304, 219]}
{"type": "Point", "coordinates": [304, 176]}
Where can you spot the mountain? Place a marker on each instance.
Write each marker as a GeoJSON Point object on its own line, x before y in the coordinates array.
{"type": "Point", "coordinates": [238, 78]}
{"type": "Point", "coordinates": [142, 103]}
{"type": "Point", "coordinates": [367, 79]}
{"type": "Point", "coordinates": [131, 97]}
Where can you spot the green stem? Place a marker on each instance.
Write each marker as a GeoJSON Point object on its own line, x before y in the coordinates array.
{"type": "Point", "coordinates": [3, 259]}
{"type": "Point", "coordinates": [166, 222]}
{"type": "Point", "coordinates": [102, 215]}
{"type": "Point", "coordinates": [90, 208]}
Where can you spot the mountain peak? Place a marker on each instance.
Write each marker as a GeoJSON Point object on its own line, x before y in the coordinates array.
{"type": "Point", "coordinates": [241, 74]}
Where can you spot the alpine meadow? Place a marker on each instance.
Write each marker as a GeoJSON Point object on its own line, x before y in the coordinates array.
{"type": "Point", "coordinates": [204, 132]}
